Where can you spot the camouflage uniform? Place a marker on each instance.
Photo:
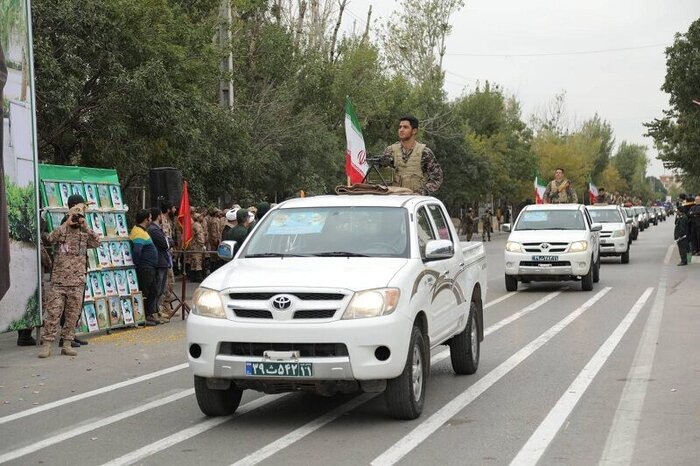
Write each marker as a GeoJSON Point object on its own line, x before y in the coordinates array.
{"type": "Point", "coordinates": [560, 192]}
{"type": "Point", "coordinates": [400, 159]}
{"type": "Point", "coordinates": [487, 227]}
{"type": "Point", "coordinates": [214, 236]}
{"type": "Point", "coordinates": [467, 225]}
{"type": "Point", "coordinates": [198, 243]}
{"type": "Point", "coordinates": [68, 279]}
{"type": "Point", "coordinates": [164, 305]}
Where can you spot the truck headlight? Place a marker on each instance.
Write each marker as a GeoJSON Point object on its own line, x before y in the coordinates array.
{"type": "Point", "coordinates": [207, 303]}
{"type": "Point", "coordinates": [372, 303]}
{"type": "Point", "coordinates": [577, 246]}
{"type": "Point", "coordinates": [514, 246]}
{"type": "Point", "coordinates": [618, 233]}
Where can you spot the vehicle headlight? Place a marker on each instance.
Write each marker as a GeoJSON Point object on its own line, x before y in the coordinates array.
{"type": "Point", "coordinates": [577, 246]}
{"type": "Point", "coordinates": [618, 233]}
{"type": "Point", "coordinates": [207, 303]}
{"type": "Point", "coordinates": [372, 303]}
{"type": "Point", "coordinates": [514, 246]}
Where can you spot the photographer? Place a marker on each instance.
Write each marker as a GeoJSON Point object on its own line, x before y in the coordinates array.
{"type": "Point", "coordinates": [560, 190]}
{"type": "Point", "coordinates": [72, 239]}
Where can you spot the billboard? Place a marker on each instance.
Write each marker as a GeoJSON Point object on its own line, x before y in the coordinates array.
{"type": "Point", "coordinates": [19, 257]}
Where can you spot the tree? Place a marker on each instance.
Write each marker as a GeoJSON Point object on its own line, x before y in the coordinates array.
{"type": "Point", "coordinates": [677, 133]}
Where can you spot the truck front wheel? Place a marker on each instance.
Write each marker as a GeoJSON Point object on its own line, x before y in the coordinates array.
{"type": "Point", "coordinates": [405, 395]}
{"type": "Point", "coordinates": [464, 347]}
{"type": "Point", "coordinates": [511, 283]}
{"type": "Point", "coordinates": [216, 402]}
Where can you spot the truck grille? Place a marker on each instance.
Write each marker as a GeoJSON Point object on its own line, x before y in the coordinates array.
{"type": "Point", "coordinates": [306, 350]}
{"type": "Point", "coordinates": [303, 296]}
{"type": "Point", "coordinates": [552, 263]}
{"type": "Point", "coordinates": [315, 314]}
{"type": "Point", "coordinates": [551, 248]}
{"type": "Point", "coordinates": [253, 314]}
{"type": "Point", "coordinates": [605, 234]}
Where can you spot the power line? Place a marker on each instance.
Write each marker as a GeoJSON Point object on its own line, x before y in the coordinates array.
{"type": "Point", "coordinates": [554, 54]}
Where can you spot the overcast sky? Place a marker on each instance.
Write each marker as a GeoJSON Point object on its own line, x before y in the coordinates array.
{"type": "Point", "coordinates": [537, 48]}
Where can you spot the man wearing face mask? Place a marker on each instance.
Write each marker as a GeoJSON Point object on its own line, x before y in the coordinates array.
{"type": "Point", "coordinates": [72, 240]}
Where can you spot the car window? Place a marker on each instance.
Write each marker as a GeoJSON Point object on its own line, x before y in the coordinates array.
{"type": "Point", "coordinates": [424, 229]}
{"type": "Point", "coordinates": [443, 230]}
{"type": "Point", "coordinates": [588, 218]}
{"type": "Point", "coordinates": [550, 220]}
{"type": "Point", "coordinates": [605, 216]}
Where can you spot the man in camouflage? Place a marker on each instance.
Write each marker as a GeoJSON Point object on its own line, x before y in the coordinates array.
{"type": "Point", "coordinates": [197, 246]}
{"type": "Point", "coordinates": [415, 166]}
{"type": "Point", "coordinates": [487, 225]}
{"type": "Point", "coordinates": [467, 224]}
{"type": "Point", "coordinates": [560, 190]}
{"type": "Point", "coordinates": [165, 308]}
{"type": "Point", "coordinates": [72, 240]}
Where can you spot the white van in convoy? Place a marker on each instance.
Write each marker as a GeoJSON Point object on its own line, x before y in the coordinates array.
{"type": "Point", "coordinates": [615, 236]}
{"type": "Point", "coordinates": [339, 294]}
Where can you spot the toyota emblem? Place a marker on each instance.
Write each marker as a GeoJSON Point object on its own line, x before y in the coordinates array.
{"type": "Point", "coordinates": [281, 303]}
{"type": "Point", "coordinates": [544, 246]}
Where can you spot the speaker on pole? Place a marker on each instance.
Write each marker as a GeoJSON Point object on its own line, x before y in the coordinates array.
{"type": "Point", "coordinates": [165, 183]}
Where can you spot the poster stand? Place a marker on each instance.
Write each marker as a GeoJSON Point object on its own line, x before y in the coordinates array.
{"type": "Point", "coordinates": [112, 295]}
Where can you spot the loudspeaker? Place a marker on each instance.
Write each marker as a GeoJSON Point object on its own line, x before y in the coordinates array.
{"type": "Point", "coordinates": [165, 183]}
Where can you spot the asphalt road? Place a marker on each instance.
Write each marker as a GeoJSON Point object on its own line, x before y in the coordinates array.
{"type": "Point", "coordinates": [610, 376]}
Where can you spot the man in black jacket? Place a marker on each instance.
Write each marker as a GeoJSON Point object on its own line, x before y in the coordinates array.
{"type": "Point", "coordinates": [694, 227]}
{"type": "Point", "coordinates": [163, 246]}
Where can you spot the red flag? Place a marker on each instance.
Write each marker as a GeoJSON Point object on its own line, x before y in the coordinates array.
{"type": "Point", "coordinates": [184, 217]}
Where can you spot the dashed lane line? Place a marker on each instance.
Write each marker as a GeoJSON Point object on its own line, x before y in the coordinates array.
{"type": "Point", "coordinates": [98, 391]}
{"type": "Point", "coordinates": [181, 436]}
{"type": "Point", "coordinates": [531, 453]}
{"type": "Point", "coordinates": [419, 434]}
{"type": "Point", "coordinates": [74, 432]}
{"type": "Point", "coordinates": [501, 299]}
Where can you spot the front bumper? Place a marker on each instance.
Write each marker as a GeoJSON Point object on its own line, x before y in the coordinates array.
{"type": "Point", "coordinates": [613, 246]}
{"type": "Point", "coordinates": [361, 337]}
{"type": "Point", "coordinates": [570, 264]}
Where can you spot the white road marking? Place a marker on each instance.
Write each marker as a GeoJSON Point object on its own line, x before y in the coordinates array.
{"type": "Point", "coordinates": [667, 259]}
{"type": "Point", "coordinates": [298, 434]}
{"type": "Point", "coordinates": [98, 391]}
{"type": "Point", "coordinates": [501, 299]}
{"type": "Point", "coordinates": [619, 448]}
{"type": "Point", "coordinates": [540, 440]}
{"type": "Point", "coordinates": [444, 414]}
{"type": "Point", "coordinates": [181, 436]}
{"type": "Point", "coordinates": [522, 312]}
{"type": "Point", "coordinates": [74, 432]}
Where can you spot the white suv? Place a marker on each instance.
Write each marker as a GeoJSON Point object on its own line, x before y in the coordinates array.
{"type": "Point", "coordinates": [553, 242]}
{"type": "Point", "coordinates": [615, 234]}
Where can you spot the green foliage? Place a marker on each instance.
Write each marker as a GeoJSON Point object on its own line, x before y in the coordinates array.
{"type": "Point", "coordinates": [677, 133]}
{"type": "Point", "coordinates": [30, 318]}
{"type": "Point", "coordinates": [21, 211]}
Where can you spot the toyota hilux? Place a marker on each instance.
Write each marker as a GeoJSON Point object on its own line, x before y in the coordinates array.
{"type": "Point", "coordinates": [552, 242]}
{"type": "Point", "coordinates": [615, 237]}
{"type": "Point", "coordinates": [338, 294]}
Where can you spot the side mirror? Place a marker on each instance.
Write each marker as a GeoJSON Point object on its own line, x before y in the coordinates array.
{"type": "Point", "coordinates": [439, 249]}
{"type": "Point", "coordinates": [629, 221]}
{"type": "Point", "coordinates": [225, 250]}
{"type": "Point", "coordinates": [596, 227]}
{"type": "Point", "coordinates": [506, 227]}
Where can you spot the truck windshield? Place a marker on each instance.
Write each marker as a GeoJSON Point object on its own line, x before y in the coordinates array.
{"type": "Point", "coordinates": [605, 216]}
{"type": "Point", "coordinates": [550, 220]}
{"type": "Point", "coordinates": [331, 232]}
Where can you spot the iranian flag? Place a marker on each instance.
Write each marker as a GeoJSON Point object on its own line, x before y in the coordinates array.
{"type": "Point", "coordinates": [540, 187]}
{"type": "Point", "coordinates": [356, 165]}
{"type": "Point", "coordinates": [592, 192]}
{"type": "Point", "coordinates": [184, 218]}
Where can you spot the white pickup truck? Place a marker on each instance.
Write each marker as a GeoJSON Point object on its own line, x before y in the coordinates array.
{"type": "Point", "coordinates": [338, 294]}
{"type": "Point", "coordinates": [553, 242]}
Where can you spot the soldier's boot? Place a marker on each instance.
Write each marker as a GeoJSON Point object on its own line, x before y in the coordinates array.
{"type": "Point", "coordinates": [66, 349]}
{"type": "Point", "coordinates": [45, 351]}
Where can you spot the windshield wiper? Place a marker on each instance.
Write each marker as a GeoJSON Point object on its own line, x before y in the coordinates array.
{"type": "Point", "coordinates": [274, 254]}
{"type": "Point", "coordinates": [339, 254]}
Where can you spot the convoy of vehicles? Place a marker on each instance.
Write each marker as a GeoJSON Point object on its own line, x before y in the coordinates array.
{"type": "Point", "coordinates": [337, 294]}
{"type": "Point", "coordinates": [615, 235]}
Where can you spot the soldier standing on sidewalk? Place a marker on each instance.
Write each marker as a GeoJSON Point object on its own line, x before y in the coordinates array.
{"type": "Point", "coordinates": [487, 228]}
{"type": "Point", "coordinates": [468, 222]}
{"type": "Point", "coordinates": [72, 239]}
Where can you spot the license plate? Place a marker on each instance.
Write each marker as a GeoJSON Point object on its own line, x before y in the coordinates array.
{"type": "Point", "coordinates": [604, 241]}
{"type": "Point", "coordinates": [279, 369]}
{"type": "Point", "coordinates": [545, 258]}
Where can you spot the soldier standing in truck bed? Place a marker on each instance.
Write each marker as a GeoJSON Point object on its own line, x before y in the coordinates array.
{"type": "Point", "coordinates": [560, 190]}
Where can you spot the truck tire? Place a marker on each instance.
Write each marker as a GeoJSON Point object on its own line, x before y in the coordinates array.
{"type": "Point", "coordinates": [587, 280]}
{"type": "Point", "coordinates": [511, 283]}
{"type": "Point", "coordinates": [464, 347]}
{"type": "Point", "coordinates": [405, 395]}
{"type": "Point", "coordinates": [596, 271]}
{"type": "Point", "coordinates": [216, 402]}
{"type": "Point", "coordinates": [625, 257]}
